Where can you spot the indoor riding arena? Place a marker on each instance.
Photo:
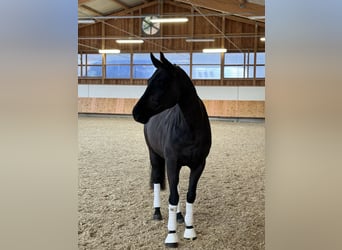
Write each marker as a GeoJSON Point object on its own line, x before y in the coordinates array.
{"type": "Point", "coordinates": [220, 45]}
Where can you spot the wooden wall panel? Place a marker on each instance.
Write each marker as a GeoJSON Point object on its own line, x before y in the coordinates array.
{"type": "Point", "coordinates": [248, 42]}
{"type": "Point", "coordinates": [90, 31]}
{"type": "Point", "coordinates": [260, 44]}
{"type": "Point", "coordinates": [215, 108]}
{"type": "Point", "coordinates": [174, 29]}
{"type": "Point", "coordinates": [251, 109]}
{"type": "Point", "coordinates": [221, 108]}
{"type": "Point", "coordinates": [233, 27]}
{"type": "Point", "coordinates": [106, 105]}
{"type": "Point", "coordinates": [148, 10]}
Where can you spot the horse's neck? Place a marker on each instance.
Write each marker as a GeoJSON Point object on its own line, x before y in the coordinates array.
{"type": "Point", "coordinates": [191, 107]}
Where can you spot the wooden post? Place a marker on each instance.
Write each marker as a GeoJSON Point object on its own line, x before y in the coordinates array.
{"type": "Point", "coordinates": [103, 45]}
{"type": "Point", "coordinates": [255, 52]}
{"type": "Point", "coordinates": [223, 39]}
{"type": "Point", "coordinates": [192, 36]}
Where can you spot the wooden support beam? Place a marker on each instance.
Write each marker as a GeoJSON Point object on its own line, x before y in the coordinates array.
{"type": "Point", "coordinates": [83, 1]}
{"type": "Point", "coordinates": [229, 6]}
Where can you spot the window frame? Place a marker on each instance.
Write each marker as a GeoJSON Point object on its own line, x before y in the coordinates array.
{"type": "Point", "coordinates": [249, 66]}
{"type": "Point", "coordinates": [253, 67]}
{"type": "Point", "coordinates": [195, 64]}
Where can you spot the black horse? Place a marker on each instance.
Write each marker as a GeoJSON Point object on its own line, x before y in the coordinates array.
{"type": "Point", "coordinates": [177, 133]}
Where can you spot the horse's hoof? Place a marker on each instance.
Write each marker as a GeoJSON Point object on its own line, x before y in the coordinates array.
{"type": "Point", "coordinates": [171, 245]}
{"type": "Point", "coordinates": [180, 218]}
{"type": "Point", "coordinates": [157, 215]}
{"type": "Point", "coordinates": [171, 240]}
{"type": "Point", "coordinates": [189, 233]}
{"type": "Point", "coordinates": [190, 238]}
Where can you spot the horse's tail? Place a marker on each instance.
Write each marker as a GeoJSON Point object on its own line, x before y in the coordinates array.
{"type": "Point", "coordinates": [158, 176]}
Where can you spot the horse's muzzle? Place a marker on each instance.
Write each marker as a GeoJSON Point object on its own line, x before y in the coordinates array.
{"type": "Point", "coordinates": [138, 116]}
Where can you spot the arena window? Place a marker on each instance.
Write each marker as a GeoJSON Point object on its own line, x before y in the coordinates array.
{"type": "Point", "coordinates": [142, 66]}
{"type": "Point", "coordinates": [90, 65]}
{"type": "Point", "coordinates": [118, 65]}
{"type": "Point", "coordinates": [242, 65]}
{"type": "Point", "coordinates": [206, 66]}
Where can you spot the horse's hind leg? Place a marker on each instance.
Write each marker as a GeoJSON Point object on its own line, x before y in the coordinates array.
{"type": "Point", "coordinates": [157, 182]}
{"type": "Point", "coordinates": [195, 174]}
{"type": "Point", "coordinates": [156, 202]}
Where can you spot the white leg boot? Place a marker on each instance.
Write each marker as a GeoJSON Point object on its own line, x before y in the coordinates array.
{"type": "Point", "coordinates": [189, 233]}
{"type": "Point", "coordinates": [172, 237]}
{"type": "Point", "coordinates": [156, 202]}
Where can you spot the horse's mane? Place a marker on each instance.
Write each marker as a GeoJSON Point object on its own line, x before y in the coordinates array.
{"type": "Point", "coordinates": [184, 75]}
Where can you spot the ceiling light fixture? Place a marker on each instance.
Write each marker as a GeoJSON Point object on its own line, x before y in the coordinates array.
{"type": "Point", "coordinates": [256, 17]}
{"type": "Point", "coordinates": [262, 39]}
{"type": "Point", "coordinates": [130, 41]}
{"type": "Point", "coordinates": [109, 51]}
{"type": "Point", "coordinates": [170, 20]}
{"type": "Point", "coordinates": [215, 50]}
{"type": "Point", "coordinates": [194, 40]}
{"type": "Point", "coordinates": [86, 21]}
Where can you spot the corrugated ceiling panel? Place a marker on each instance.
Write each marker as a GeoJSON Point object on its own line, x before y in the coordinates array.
{"type": "Point", "coordinates": [132, 3]}
{"type": "Point", "coordinates": [104, 6]}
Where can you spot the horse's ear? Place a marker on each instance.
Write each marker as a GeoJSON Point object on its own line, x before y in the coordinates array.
{"type": "Point", "coordinates": [166, 63]}
{"type": "Point", "coordinates": [155, 61]}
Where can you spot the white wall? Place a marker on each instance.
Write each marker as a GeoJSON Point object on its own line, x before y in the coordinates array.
{"type": "Point", "coordinates": [205, 92]}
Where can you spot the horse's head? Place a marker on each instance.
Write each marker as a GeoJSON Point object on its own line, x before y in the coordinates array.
{"type": "Point", "coordinates": [162, 90]}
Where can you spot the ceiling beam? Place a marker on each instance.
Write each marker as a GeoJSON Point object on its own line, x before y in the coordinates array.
{"type": "Point", "coordinates": [246, 20]}
{"type": "Point", "coordinates": [229, 6]}
{"type": "Point", "coordinates": [83, 1]}
{"type": "Point", "coordinates": [183, 36]}
{"type": "Point", "coordinates": [238, 18]}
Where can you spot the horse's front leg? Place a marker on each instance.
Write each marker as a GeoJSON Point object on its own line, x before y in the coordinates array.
{"type": "Point", "coordinates": [173, 178]}
{"type": "Point", "coordinates": [157, 181]}
{"type": "Point", "coordinates": [195, 174]}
